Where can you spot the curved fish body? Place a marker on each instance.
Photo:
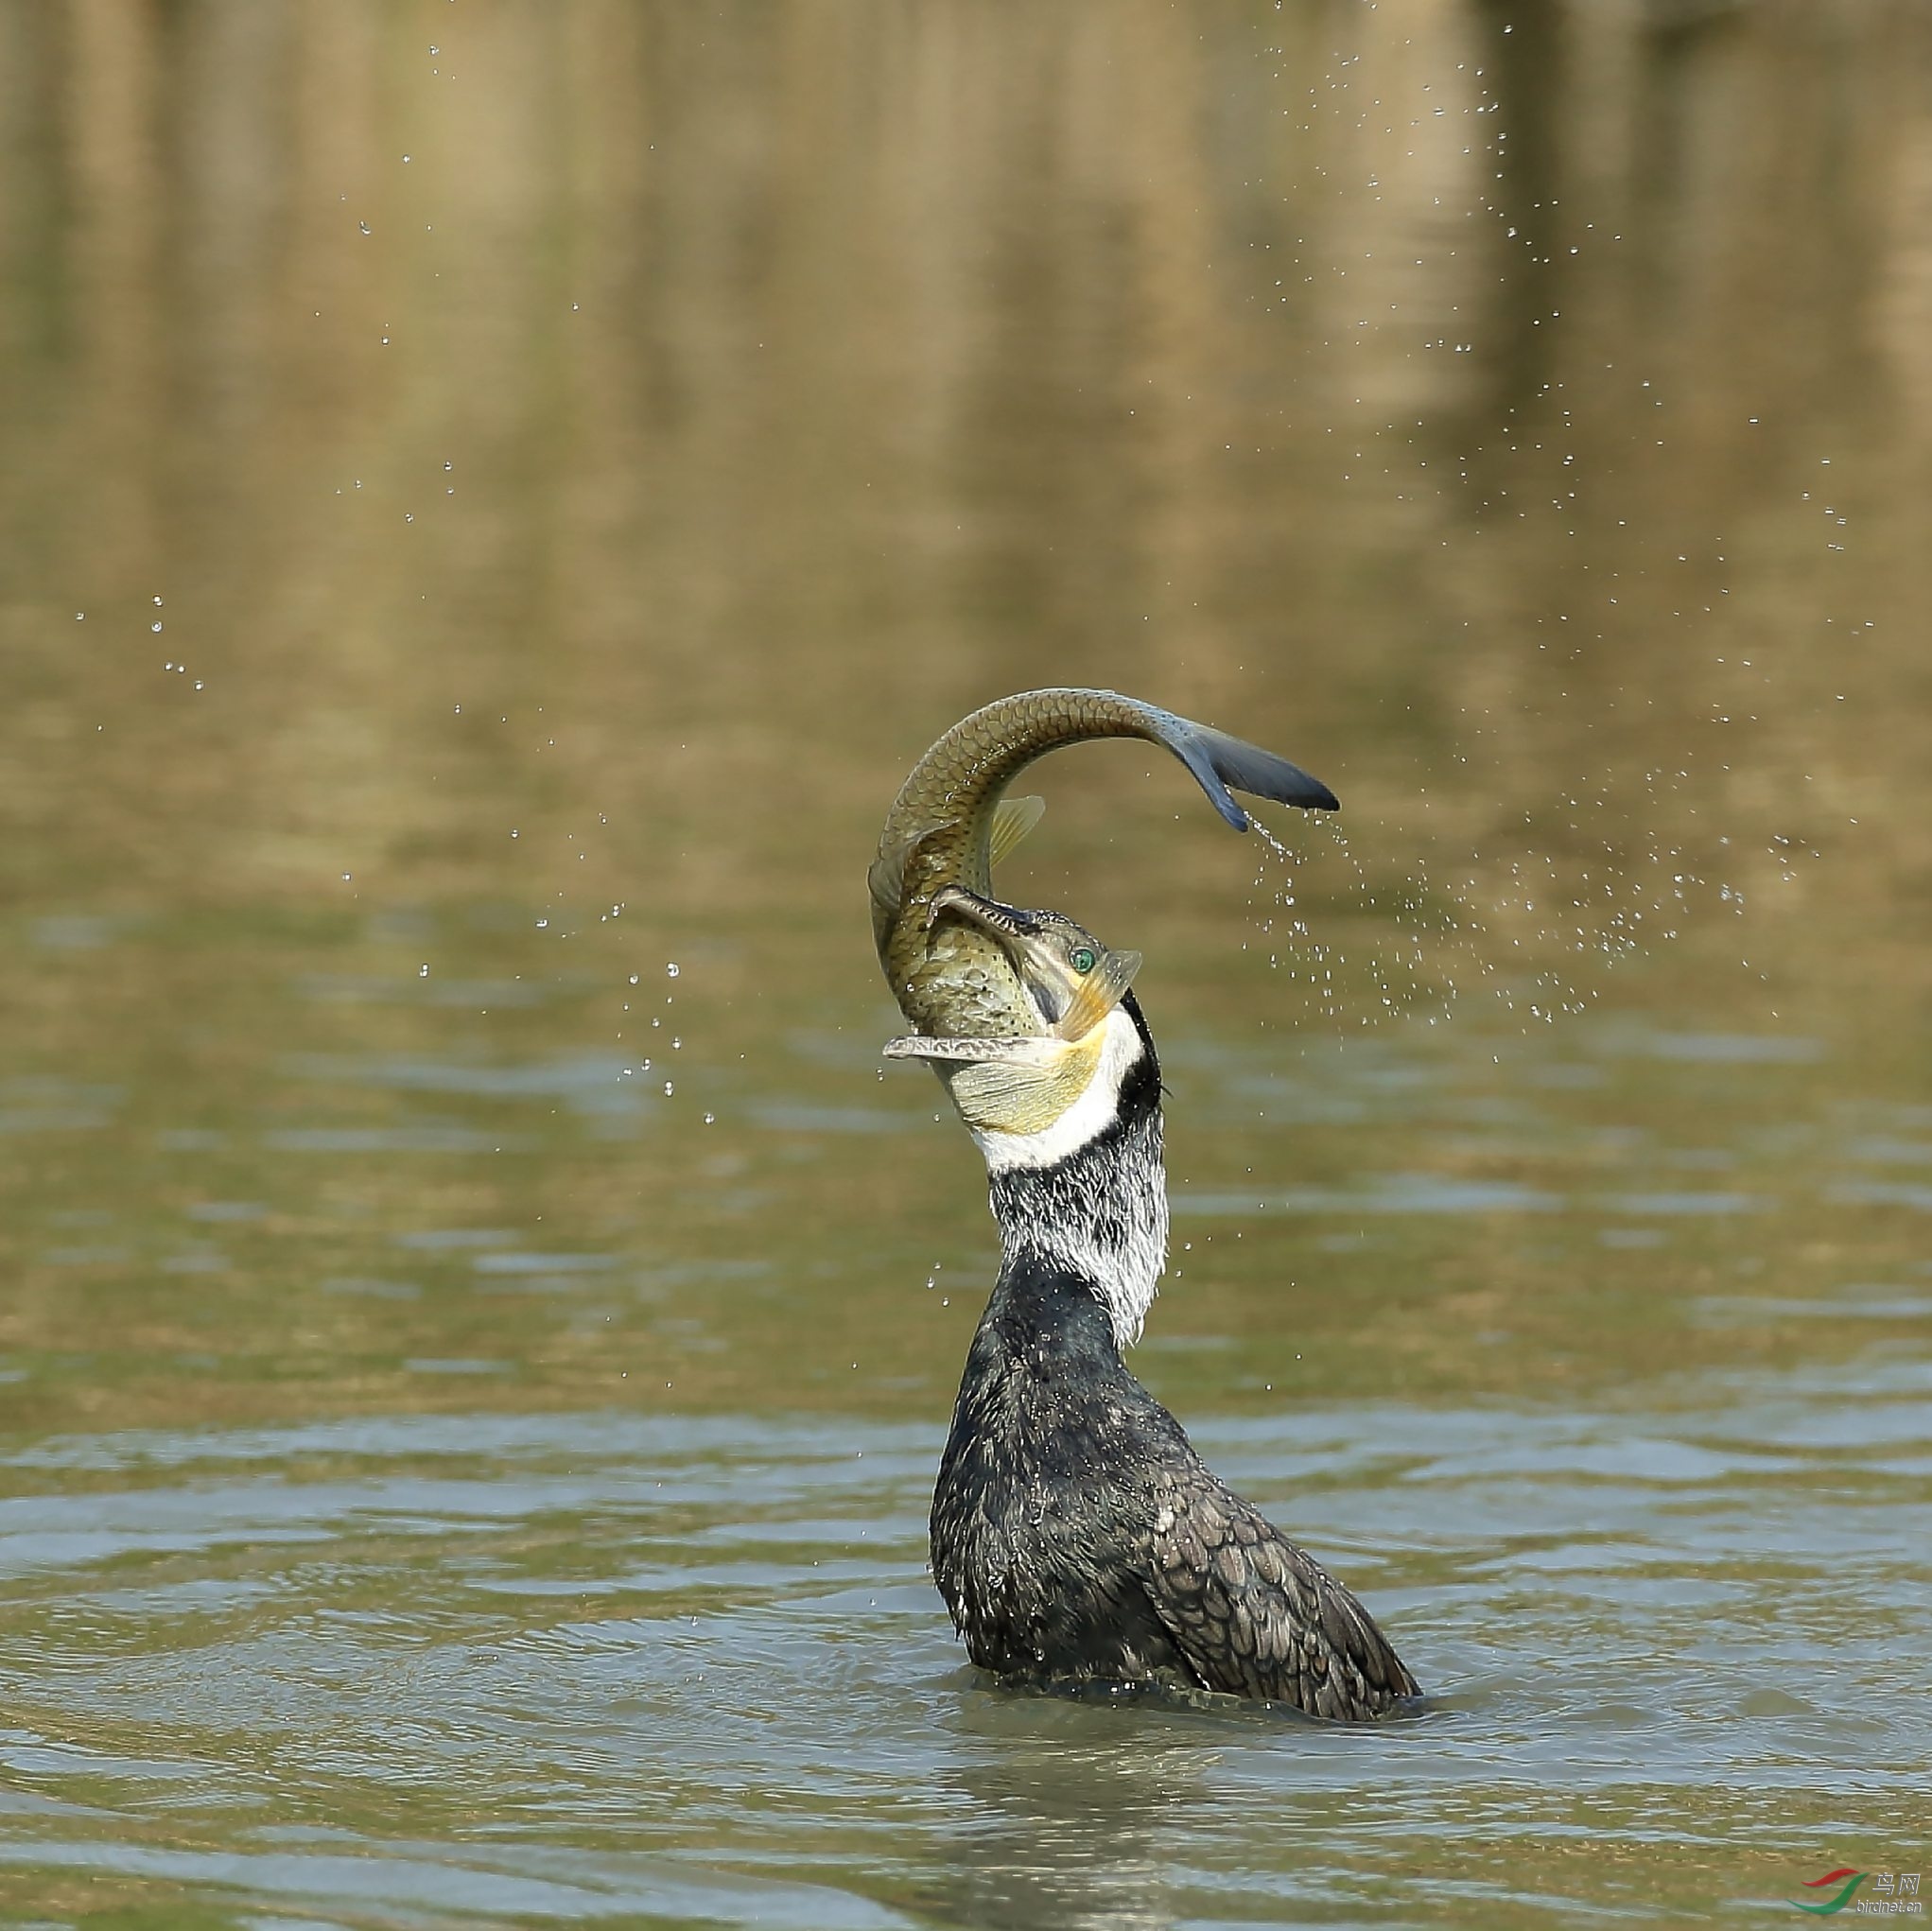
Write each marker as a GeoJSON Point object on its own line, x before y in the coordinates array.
{"type": "Point", "coordinates": [952, 820]}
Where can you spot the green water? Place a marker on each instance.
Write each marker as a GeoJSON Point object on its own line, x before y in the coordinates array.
{"type": "Point", "coordinates": [477, 1319]}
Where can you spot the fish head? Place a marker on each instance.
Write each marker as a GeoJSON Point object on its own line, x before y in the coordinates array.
{"type": "Point", "coordinates": [1053, 1038]}
{"type": "Point", "coordinates": [1069, 979]}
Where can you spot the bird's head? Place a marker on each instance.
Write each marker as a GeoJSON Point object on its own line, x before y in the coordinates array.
{"type": "Point", "coordinates": [1031, 1100]}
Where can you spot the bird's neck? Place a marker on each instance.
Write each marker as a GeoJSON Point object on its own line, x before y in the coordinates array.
{"type": "Point", "coordinates": [1097, 1215]}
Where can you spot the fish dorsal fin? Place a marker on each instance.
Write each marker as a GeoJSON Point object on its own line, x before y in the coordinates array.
{"type": "Point", "coordinates": [1013, 818]}
{"type": "Point", "coordinates": [886, 879]}
{"type": "Point", "coordinates": [1097, 995]}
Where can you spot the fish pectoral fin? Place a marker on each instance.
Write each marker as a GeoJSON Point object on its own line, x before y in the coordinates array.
{"type": "Point", "coordinates": [886, 879]}
{"type": "Point", "coordinates": [1097, 995]}
{"type": "Point", "coordinates": [1013, 818]}
{"type": "Point", "coordinates": [1022, 1095]}
{"type": "Point", "coordinates": [1033, 1052]}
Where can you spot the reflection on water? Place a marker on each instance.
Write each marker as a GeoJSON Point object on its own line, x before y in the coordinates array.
{"type": "Point", "coordinates": [491, 501]}
{"type": "Point", "coordinates": [1072, 1816]}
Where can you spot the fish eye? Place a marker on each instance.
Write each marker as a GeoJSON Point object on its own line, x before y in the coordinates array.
{"type": "Point", "coordinates": [1082, 960]}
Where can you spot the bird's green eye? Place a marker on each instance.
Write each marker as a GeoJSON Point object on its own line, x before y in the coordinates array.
{"type": "Point", "coordinates": [1082, 960]}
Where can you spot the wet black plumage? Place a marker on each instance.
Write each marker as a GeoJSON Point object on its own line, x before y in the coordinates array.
{"type": "Point", "coordinates": [1075, 1532]}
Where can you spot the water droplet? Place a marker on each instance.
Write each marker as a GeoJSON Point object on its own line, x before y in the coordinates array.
{"type": "Point", "coordinates": [671, 971]}
{"type": "Point", "coordinates": [422, 972]}
{"type": "Point", "coordinates": [669, 1090]}
{"type": "Point", "coordinates": [542, 923]}
{"type": "Point", "coordinates": [364, 226]}
{"type": "Point", "coordinates": [710, 1118]}
{"type": "Point", "coordinates": [155, 627]}
{"type": "Point", "coordinates": [633, 979]}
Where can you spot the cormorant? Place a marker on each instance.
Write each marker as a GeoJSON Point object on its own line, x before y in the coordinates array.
{"type": "Point", "coordinates": [1075, 1532]}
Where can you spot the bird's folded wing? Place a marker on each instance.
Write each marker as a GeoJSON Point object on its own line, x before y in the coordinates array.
{"type": "Point", "coordinates": [1257, 1616]}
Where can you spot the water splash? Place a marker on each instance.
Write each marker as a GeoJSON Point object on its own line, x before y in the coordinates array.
{"type": "Point", "coordinates": [1531, 933]}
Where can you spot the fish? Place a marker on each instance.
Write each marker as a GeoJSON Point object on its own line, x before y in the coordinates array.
{"type": "Point", "coordinates": [950, 972]}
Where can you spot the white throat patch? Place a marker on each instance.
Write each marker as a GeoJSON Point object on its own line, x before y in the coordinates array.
{"type": "Point", "coordinates": [1096, 1210]}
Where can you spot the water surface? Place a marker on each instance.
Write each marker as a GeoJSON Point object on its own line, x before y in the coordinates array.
{"type": "Point", "coordinates": [492, 501]}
